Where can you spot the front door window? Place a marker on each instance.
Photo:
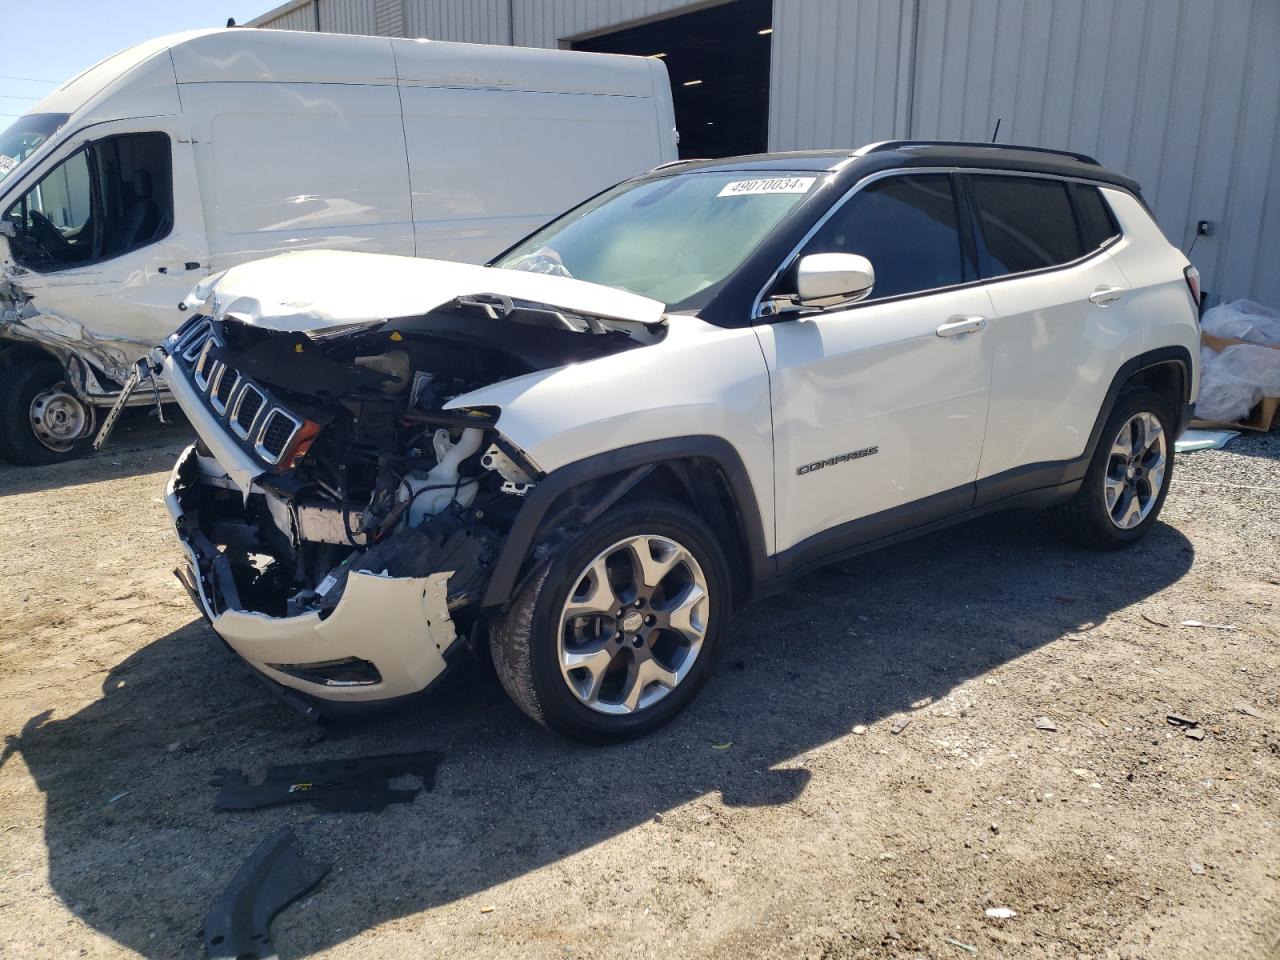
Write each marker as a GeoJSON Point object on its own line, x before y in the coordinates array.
{"type": "Point", "coordinates": [111, 196]}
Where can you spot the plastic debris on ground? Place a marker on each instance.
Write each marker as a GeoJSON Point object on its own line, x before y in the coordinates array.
{"type": "Point", "coordinates": [1193, 440]}
{"type": "Point", "coordinates": [358, 784]}
{"type": "Point", "coordinates": [278, 872]}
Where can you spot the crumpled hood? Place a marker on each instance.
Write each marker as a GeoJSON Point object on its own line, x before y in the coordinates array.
{"type": "Point", "coordinates": [318, 289]}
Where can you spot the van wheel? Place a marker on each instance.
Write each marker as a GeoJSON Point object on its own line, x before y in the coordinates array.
{"type": "Point", "coordinates": [619, 632]}
{"type": "Point", "coordinates": [1128, 477]}
{"type": "Point", "coordinates": [41, 420]}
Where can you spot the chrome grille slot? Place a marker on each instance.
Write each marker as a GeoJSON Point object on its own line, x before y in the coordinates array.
{"type": "Point", "coordinates": [189, 346]}
{"type": "Point", "coordinates": [224, 386]}
{"type": "Point", "coordinates": [273, 439]}
{"type": "Point", "coordinates": [205, 366]}
{"type": "Point", "coordinates": [245, 411]}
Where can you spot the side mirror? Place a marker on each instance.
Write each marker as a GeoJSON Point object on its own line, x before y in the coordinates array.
{"type": "Point", "coordinates": [8, 229]}
{"type": "Point", "coordinates": [833, 279]}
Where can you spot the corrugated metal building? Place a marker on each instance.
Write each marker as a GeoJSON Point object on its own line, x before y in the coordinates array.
{"type": "Point", "coordinates": [1183, 95]}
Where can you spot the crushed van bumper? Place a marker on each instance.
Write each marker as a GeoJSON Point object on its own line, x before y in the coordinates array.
{"type": "Point", "coordinates": [387, 638]}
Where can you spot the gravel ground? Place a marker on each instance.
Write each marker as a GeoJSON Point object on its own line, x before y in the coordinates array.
{"type": "Point", "coordinates": [781, 816]}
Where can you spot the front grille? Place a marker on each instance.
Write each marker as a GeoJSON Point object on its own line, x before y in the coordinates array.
{"type": "Point", "coordinates": [245, 407]}
{"type": "Point", "coordinates": [246, 411]}
{"type": "Point", "coordinates": [277, 430]}
{"type": "Point", "coordinates": [223, 389]}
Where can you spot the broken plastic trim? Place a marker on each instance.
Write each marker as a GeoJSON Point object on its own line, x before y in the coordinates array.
{"type": "Point", "coordinates": [347, 672]}
{"type": "Point", "coordinates": [354, 785]}
{"type": "Point", "coordinates": [238, 925]}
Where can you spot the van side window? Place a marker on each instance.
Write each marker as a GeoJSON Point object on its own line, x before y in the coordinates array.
{"type": "Point", "coordinates": [112, 196]}
{"type": "Point", "coordinates": [906, 226]}
{"type": "Point", "coordinates": [1097, 225]}
{"type": "Point", "coordinates": [1026, 223]}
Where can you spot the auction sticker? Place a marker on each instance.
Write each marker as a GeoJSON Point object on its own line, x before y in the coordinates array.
{"type": "Point", "coordinates": [7, 163]}
{"type": "Point", "coordinates": [751, 188]}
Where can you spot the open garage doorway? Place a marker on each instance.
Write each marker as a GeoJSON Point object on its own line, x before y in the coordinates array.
{"type": "Point", "coordinates": [718, 58]}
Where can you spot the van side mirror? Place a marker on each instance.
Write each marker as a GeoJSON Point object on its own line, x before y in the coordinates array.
{"type": "Point", "coordinates": [833, 279]}
{"type": "Point", "coordinates": [8, 229]}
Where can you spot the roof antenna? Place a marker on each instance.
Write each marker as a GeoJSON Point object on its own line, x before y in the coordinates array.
{"type": "Point", "coordinates": [996, 132]}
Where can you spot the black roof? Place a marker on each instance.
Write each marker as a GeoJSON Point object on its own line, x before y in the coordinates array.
{"type": "Point", "coordinates": [916, 153]}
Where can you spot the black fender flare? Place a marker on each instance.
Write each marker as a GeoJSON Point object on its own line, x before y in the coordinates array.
{"type": "Point", "coordinates": [519, 544]}
{"type": "Point", "coordinates": [1160, 356]}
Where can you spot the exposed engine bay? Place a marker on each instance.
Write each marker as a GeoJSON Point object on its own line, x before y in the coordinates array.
{"type": "Point", "coordinates": [357, 468]}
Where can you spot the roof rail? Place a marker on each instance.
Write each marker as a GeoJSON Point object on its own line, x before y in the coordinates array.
{"type": "Point", "coordinates": [675, 163]}
{"type": "Point", "coordinates": [899, 144]}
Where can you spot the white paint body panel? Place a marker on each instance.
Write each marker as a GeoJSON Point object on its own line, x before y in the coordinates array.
{"type": "Point", "coordinates": [414, 629]}
{"type": "Point", "coordinates": [1055, 357]}
{"type": "Point", "coordinates": [316, 289]}
{"type": "Point", "coordinates": [288, 141]}
{"type": "Point", "coordinates": [875, 375]}
{"type": "Point", "coordinates": [1152, 267]}
{"type": "Point", "coordinates": [699, 380]}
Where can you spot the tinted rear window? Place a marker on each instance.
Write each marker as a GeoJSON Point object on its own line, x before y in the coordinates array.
{"type": "Point", "coordinates": [906, 226]}
{"type": "Point", "coordinates": [1026, 222]}
{"type": "Point", "coordinates": [1096, 223]}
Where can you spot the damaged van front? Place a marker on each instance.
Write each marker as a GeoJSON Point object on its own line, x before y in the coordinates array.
{"type": "Point", "coordinates": [347, 500]}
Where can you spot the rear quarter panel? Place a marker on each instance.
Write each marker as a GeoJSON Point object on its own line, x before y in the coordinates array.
{"type": "Point", "coordinates": [1153, 267]}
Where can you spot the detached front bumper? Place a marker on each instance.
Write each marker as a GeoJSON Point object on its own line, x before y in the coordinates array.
{"type": "Point", "coordinates": [399, 625]}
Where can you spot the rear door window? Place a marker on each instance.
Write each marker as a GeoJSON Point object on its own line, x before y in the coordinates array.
{"type": "Point", "coordinates": [1025, 223]}
{"type": "Point", "coordinates": [907, 227]}
{"type": "Point", "coordinates": [1097, 225]}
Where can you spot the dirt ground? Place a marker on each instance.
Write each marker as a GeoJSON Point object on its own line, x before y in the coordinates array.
{"type": "Point", "coordinates": [779, 817]}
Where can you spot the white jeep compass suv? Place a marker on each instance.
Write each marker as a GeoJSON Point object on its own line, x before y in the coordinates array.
{"type": "Point", "coordinates": [706, 380]}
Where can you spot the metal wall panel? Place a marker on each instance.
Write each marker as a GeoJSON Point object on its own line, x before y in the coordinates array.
{"type": "Point", "coordinates": [299, 18]}
{"type": "Point", "coordinates": [349, 16]}
{"type": "Point", "coordinates": [838, 78]}
{"type": "Point", "coordinates": [1182, 95]}
{"type": "Point", "coordinates": [549, 23]}
{"type": "Point", "coordinates": [475, 21]}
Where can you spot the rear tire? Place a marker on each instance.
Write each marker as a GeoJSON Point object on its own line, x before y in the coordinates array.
{"type": "Point", "coordinates": [607, 675]}
{"type": "Point", "coordinates": [1128, 477]}
{"type": "Point", "coordinates": [23, 384]}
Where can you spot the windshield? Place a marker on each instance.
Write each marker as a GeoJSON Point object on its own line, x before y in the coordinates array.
{"type": "Point", "coordinates": [24, 136]}
{"type": "Point", "coordinates": [672, 239]}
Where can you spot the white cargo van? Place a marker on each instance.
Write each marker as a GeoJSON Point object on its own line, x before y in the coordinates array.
{"type": "Point", "coordinates": [185, 155]}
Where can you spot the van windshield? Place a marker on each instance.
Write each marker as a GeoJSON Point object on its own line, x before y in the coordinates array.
{"type": "Point", "coordinates": [22, 138]}
{"type": "Point", "coordinates": [672, 239]}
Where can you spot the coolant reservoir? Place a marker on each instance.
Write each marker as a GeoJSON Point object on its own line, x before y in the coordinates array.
{"type": "Point", "coordinates": [439, 487]}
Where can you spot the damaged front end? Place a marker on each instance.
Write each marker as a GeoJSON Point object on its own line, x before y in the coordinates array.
{"type": "Point", "coordinates": [340, 523]}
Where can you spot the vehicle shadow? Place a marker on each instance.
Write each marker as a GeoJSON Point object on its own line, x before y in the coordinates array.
{"type": "Point", "coordinates": [138, 445]}
{"type": "Point", "coordinates": [136, 851]}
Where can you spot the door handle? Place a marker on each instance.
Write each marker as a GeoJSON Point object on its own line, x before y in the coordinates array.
{"type": "Point", "coordinates": [955, 326]}
{"type": "Point", "coordinates": [1105, 295]}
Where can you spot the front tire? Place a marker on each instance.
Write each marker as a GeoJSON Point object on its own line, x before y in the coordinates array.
{"type": "Point", "coordinates": [41, 420]}
{"type": "Point", "coordinates": [620, 631]}
{"type": "Point", "coordinates": [1128, 477]}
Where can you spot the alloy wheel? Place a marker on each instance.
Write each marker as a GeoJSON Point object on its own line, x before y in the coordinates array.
{"type": "Point", "coordinates": [633, 624]}
{"type": "Point", "coordinates": [1135, 470]}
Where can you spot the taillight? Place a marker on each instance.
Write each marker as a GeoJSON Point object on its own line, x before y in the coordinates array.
{"type": "Point", "coordinates": [1193, 284]}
